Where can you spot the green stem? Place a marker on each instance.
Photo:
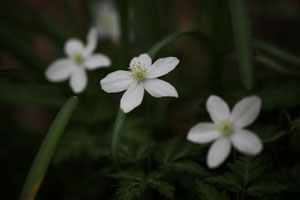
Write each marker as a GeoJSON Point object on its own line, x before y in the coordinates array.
{"type": "Point", "coordinates": [116, 137]}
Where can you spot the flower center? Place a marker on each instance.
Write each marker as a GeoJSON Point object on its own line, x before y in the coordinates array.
{"type": "Point", "coordinates": [225, 127]}
{"type": "Point", "coordinates": [78, 57]}
{"type": "Point", "coordinates": [138, 71]}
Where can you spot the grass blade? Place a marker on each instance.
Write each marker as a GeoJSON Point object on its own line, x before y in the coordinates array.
{"type": "Point", "coordinates": [47, 149]}
{"type": "Point", "coordinates": [242, 37]}
{"type": "Point", "coordinates": [203, 38]}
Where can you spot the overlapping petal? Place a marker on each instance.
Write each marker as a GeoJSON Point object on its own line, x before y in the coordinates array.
{"type": "Point", "coordinates": [143, 59]}
{"type": "Point", "coordinates": [246, 111]}
{"type": "Point", "coordinates": [203, 133]}
{"type": "Point", "coordinates": [218, 152]}
{"type": "Point", "coordinates": [217, 109]}
{"type": "Point", "coordinates": [116, 81]}
{"type": "Point", "coordinates": [162, 66]}
{"type": "Point", "coordinates": [72, 46]}
{"type": "Point", "coordinates": [132, 97]}
{"type": "Point", "coordinates": [247, 142]}
{"type": "Point", "coordinates": [159, 88]}
{"type": "Point", "coordinates": [92, 39]}
{"type": "Point", "coordinates": [59, 70]}
{"type": "Point", "coordinates": [78, 81]}
{"type": "Point", "coordinates": [97, 60]}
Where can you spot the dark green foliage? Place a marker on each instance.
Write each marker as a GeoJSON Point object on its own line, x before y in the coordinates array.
{"type": "Point", "coordinates": [208, 192]}
{"type": "Point", "coordinates": [134, 183]}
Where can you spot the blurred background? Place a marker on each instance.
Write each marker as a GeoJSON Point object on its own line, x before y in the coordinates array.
{"type": "Point", "coordinates": [33, 33]}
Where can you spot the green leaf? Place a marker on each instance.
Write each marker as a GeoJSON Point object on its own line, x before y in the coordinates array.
{"type": "Point", "coordinates": [277, 52]}
{"type": "Point", "coordinates": [228, 182]}
{"type": "Point", "coordinates": [247, 169]}
{"type": "Point", "coordinates": [80, 142]}
{"type": "Point", "coordinates": [208, 192]}
{"type": "Point", "coordinates": [130, 190]}
{"type": "Point", "coordinates": [31, 94]}
{"type": "Point", "coordinates": [202, 37]}
{"type": "Point", "coordinates": [242, 38]}
{"type": "Point", "coordinates": [186, 166]}
{"type": "Point", "coordinates": [47, 149]}
{"type": "Point", "coordinates": [164, 188]}
{"type": "Point", "coordinates": [175, 149]}
{"type": "Point", "coordinates": [22, 49]}
{"type": "Point", "coordinates": [266, 188]}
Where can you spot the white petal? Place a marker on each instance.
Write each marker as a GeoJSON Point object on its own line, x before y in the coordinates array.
{"type": "Point", "coordinates": [116, 81]}
{"type": "Point", "coordinates": [246, 111]}
{"type": "Point", "coordinates": [78, 80]}
{"type": "Point", "coordinates": [92, 39]}
{"type": "Point", "coordinates": [143, 58]}
{"type": "Point", "coordinates": [159, 88]}
{"type": "Point", "coordinates": [97, 60]}
{"type": "Point", "coordinates": [162, 66]}
{"type": "Point", "coordinates": [59, 70]}
{"type": "Point", "coordinates": [217, 109]}
{"type": "Point", "coordinates": [218, 152]}
{"type": "Point", "coordinates": [73, 46]}
{"type": "Point", "coordinates": [247, 142]}
{"type": "Point", "coordinates": [132, 97]}
{"type": "Point", "coordinates": [203, 133]}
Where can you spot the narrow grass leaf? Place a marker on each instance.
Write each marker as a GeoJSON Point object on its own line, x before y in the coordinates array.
{"type": "Point", "coordinates": [242, 37]}
{"type": "Point", "coordinates": [47, 149]}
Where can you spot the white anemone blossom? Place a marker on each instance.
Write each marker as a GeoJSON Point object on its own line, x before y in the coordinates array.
{"type": "Point", "coordinates": [142, 75]}
{"type": "Point", "coordinates": [79, 59]}
{"type": "Point", "coordinates": [106, 19]}
{"type": "Point", "coordinates": [227, 129]}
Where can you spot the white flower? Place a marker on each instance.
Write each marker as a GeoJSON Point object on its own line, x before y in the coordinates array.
{"type": "Point", "coordinates": [106, 19]}
{"type": "Point", "coordinates": [228, 128]}
{"type": "Point", "coordinates": [80, 59]}
{"type": "Point", "coordinates": [142, 75]}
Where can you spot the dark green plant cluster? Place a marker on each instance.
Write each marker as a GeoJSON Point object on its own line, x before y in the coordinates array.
{"type": "Point", "coordinates": [57, 146]}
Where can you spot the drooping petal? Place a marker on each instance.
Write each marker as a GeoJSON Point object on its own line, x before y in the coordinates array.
{"type": "Point", "coordinates": [132, 97]}
{"type": "Point", "coordinates": [246, 111]}
{"type": "Point", "coordinates": [92, 39]}
{"type": "Point", "coordinates": [162, 66]}
{"type": "Point", "coordinates": [143, 59]}
{"type": "Point", "coordinates": [97, 60]}
{"type": "Point", "coordinates": [59, 70]}
{"type": "Point", "coordinates": [72, 46]}
{"type": "Point", "coordinates": [218, 152]}
{"type": "Point", "coordinates": [203, 132]}
{"type": "Point", "coordinates": [78, 79]}
{"type": "Point", "coordinates": [116, 81]}
{"type": "Point", "coordinates": [159, 88]}
{"type": "Point", "coordinates": [247, 142]}
{"type": "Point", "coordinates": [217, 109]}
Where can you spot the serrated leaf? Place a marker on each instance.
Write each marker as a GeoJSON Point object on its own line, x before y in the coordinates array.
{"type": "Point", "coordinates": [187, 166]}
{"type": "Point", "coordinates": [130, 190]}
{"type": "Point", "coordinates": [247, 169]}
{"type": "Point", "coordinates": [176, 149]}
{"type": "Point", "coordinates": [79, 142]}
{"type": "Point", "coordinates": [266, 188]}
{"type": "Point", "coordinates": [208, 192]}
{"type": "Point", "coordinates": [228, 182]}
{"type": "Point", "coordinates": [164, 188]}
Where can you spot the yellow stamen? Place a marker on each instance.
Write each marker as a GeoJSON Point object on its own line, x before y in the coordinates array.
{"type": "Point", "coordinates": [138, 71]}
{"type": "Point", "coordinates": [225, 127]}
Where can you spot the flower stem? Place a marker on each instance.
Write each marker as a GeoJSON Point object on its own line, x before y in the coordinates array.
{"type": "Point", "coordinates": [116, 137]}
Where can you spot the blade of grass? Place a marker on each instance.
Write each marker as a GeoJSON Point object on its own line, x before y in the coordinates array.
{"type": "Point", "coordinates": [277, 52]}
{"type": "Point", "coordinates": [22, 50]}
{"type": "Point", "coordinates": [43, 158]}
{"type": "Point", "coordinates": [203, 38]}
{"type": "Point", "coordinates": [242, 38]}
